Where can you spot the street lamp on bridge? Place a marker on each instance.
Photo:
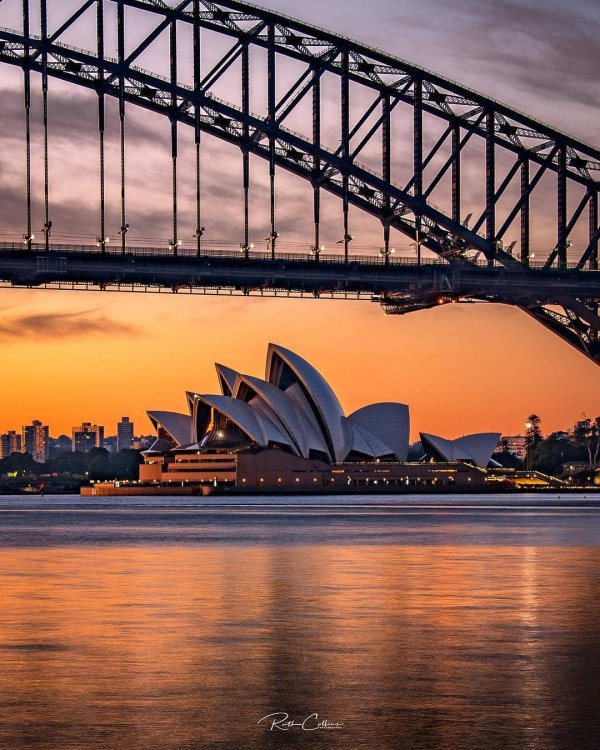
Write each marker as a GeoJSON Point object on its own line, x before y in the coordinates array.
{"type": "Point", "coordinates": [102, 242]}
{"type": "Point", "coordinates": [385, 253]}
{"type": "Point", "coordinates": [245, 248]}
{"type": "Point", "coordinates": [316, 250]}
{"type": "Point", "coordinates": [28, 239]}
{"type": "Point", "coordinates": [46, 229]}
{"type": "Point", "coordinates": [270, 240]}
{"type": "Point", "coordinates": [345, 241]}
{"type": "Point", "coordinates": [197, 235]}
{"type": "Point", "coordinates": [123, 231]}
{"type": "Point", "coordinates": [174, 245]}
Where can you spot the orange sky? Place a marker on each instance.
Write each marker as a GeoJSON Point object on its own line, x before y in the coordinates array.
{"type": "Point", "coordinates": [461, 368]}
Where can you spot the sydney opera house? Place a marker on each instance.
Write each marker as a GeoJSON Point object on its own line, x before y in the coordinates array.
{"type": "Point", "coordinates": [289, 432]}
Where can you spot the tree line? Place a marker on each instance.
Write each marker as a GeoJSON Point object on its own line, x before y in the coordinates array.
{"type": "Point", "coordinates": [67, 471]}
{"type": "Point", "coordinates": [549, 454]}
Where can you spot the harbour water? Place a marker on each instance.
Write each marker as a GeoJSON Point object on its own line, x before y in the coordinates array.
{"type": "Point", "coordinates": [180, 623]}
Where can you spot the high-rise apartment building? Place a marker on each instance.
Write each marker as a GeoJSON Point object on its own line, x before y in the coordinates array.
{"type": "Point", "coordinates": [10, 442]}
{"type": "Point", "coordinates": [87, 436]}
{"type": "Point", "coordinates": [124, 434]}
{"type": "Point", "coordinates": [35, 440]}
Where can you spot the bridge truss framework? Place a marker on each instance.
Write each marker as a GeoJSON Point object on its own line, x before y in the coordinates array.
{"type": "Point", "coordinates": [535, 151]}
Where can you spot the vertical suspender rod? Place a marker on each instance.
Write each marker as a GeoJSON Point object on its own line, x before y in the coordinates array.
{"type": "Point", "coordinates": [102, 239]}
{"type": "Point", "coordinates": [197, 131]}
{"type": "Point", "coordinates": [245, 152]}
{"type": "Point", "coordinates": [173, 71]}
{"type": "Point", "coordinates": [44, 35]}
{"type": "Point", "coordinates": [345, 133]}
{"type": "Point", "coordinates": [271, 107]}
{"type": "Point", "coordinates": [28, 238]}
{"type": "Point", "coordinates": [316, 136]}
{"type": "Point", "coordinates": [121, 58]}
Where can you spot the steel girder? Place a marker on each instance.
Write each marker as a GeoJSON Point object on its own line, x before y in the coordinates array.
{"type": "Point", "coordinates": [392, 81]}
{"type": "Point", "coordinates": [228, 269]}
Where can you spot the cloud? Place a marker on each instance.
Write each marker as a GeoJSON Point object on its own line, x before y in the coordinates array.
{"type": "Point", "coordinates": [47, 326]}
{"type": "Point", "coordinates": [545, 47]}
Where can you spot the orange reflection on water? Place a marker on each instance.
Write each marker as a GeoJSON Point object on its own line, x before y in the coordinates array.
{"type": "Point", "coordinates": [177, 647]}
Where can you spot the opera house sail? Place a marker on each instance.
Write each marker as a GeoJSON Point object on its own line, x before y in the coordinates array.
{"type": "Point", "coordinates": [289, 431]}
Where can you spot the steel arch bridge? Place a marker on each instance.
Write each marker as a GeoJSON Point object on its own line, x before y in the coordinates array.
{"type": "Point", "coordinates": [525, 166]}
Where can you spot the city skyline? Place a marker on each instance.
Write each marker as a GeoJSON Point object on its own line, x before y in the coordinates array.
{"type": "Point", "coordinates": [36, 438]}
{"type": "Point", "coordinates": [13, 436]}
{"type": "Point", "coordinates": [464, 368]}
{"type": "Point", "coordinates": [82, 424]}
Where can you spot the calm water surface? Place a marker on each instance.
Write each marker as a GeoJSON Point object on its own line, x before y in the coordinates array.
{"type": "Point", "coordinates": [181, 622]}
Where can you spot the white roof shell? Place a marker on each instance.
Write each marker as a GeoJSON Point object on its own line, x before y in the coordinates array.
{"type": "Point", "coordinates": [321, 398]}
{"type": "Point", "coordinates": [179, 426]}
{"type": "Point", "coordinates": [226, 377]}
{"type": "Point", "coordinates": [259, 428]}
{"type": "Point", "coordinates": [477, 447]}
{"type": "Point", "coordinates": [365, 442]}
{"type": "Point", "coordinates": [315, 437]}
{"type": "Point", "coordinates": [293, 419]}
{"type": "Point", "coordinates": [388, 422]}
{"type": "Point", "coordinates": [297, 408]}
{"type": "Point", "coordinates": [190, 395]}
{"type": "Point", "coordinates": [270, 418]}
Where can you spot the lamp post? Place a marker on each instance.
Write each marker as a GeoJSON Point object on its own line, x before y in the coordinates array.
{"type": "Point", "coordinates": [245, 249]}
{"type": "Point", "coordinates": [316, 251]}
{"type": "Point", "coordinates": [270, 240]}
{"type": "Point", "coordinates": [528, 426]}
{"type": "Point", "coordinates": [46, 230]}
{"type": "Point", "coordinates": [174, 245]}
{"type": "Point", "coordinates": [420, 237]}
{"type": "Point", "coordinates": [102, 242]}
{"type": "Point", "coordinates": [197, 235]}
{"type": "Point", "coordinates": [345, 241]}
{"type": "Point", "coordinates": [28, 239]}
{"type": "Point", "coordinates": [123, 231]}
{"type": "Point", "coordinates": [385, 253]}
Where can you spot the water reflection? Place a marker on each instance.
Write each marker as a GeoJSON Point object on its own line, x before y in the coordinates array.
{"type": "Point", "coordinates": [187, 645]}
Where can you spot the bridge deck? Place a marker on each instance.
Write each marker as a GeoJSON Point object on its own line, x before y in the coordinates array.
{"type": "Point", "coordinates": [151, 269]}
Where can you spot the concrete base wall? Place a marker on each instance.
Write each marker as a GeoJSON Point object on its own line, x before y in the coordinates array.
{"type": "Point", "coordinates": [274, 471]}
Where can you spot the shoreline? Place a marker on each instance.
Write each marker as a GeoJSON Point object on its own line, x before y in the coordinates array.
{"type": "Point", "coordinates": [199, 492]}
{"type": "Point", "coordinates": [292, 503]}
